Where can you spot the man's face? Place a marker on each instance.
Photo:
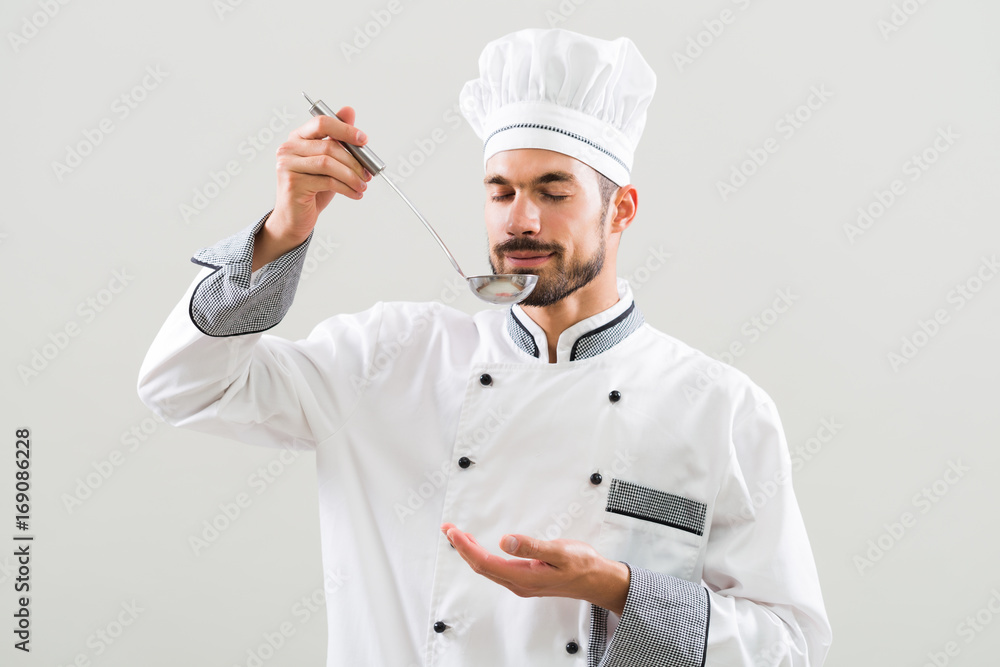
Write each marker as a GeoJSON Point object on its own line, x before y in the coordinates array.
{"type": "Point", "coordinates": [543, 216]}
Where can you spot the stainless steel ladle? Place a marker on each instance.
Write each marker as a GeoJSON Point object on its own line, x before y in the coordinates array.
{"type": "Point", "coordinates": [503, 288]}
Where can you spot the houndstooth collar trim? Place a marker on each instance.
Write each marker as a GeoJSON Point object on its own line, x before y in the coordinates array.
{"type": "Point", "coordinates": [587, 338]}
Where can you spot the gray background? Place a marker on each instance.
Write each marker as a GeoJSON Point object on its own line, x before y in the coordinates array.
{"type": "Point", "coordinates": [224, 74]}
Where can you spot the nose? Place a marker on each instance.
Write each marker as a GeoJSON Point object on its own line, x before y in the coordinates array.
{"type": "Point", "coordinates": [522, 216]}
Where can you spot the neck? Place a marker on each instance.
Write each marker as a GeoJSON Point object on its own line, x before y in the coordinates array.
{"type": "Point", "coordinates": [595, 297]}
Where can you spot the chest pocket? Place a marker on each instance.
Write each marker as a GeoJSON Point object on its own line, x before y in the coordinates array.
{"type": "Point", "coordinates": [653, 529]}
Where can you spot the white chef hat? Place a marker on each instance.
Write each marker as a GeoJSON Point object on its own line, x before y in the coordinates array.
{"type": "Point", "coordinates": [561, 91]}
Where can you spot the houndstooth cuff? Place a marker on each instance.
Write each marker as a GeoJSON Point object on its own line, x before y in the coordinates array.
{"type": "Point", "coordinates": [664, 624]}
{"type": "Point", "coordinates": [232, 302]}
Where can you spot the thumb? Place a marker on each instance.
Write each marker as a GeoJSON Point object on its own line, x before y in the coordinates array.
{"type": "Point", "coordinates": [519, 545]}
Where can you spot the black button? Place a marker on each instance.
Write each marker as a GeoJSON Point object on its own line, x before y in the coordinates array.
{"type": "Point", "coordinates": [464, 462]}
{"type": "Point", "coordinates": [440, 627]}
{"type": "Point", "coordinates": [596, 478]}
{"type": "Point", "coordinates": [485, 379]}
{"type": "Point", "coordinates": [614, 396]}
{"type": "Point", "coordinates": [572, 648]}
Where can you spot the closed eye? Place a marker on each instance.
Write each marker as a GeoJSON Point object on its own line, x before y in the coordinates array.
{"type": "Point", "coordinates": [544, 194]}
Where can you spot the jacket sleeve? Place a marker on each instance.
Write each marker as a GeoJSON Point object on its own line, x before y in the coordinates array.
{"type": "Point", "coordinates": [759, 602]}
{"type": "Point", "coordinates": [211, 368]}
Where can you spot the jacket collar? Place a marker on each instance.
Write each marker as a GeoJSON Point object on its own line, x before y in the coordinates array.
{"type": "Point", "coordinates": [587, 338]}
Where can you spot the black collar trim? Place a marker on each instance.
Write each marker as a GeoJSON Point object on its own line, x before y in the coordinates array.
{"type": "Point", "coordinates": [606, 336]}
{"type": "Point", "coordinates": [590, 344]}
{"type": "Point", "coordinates": [520, 335]}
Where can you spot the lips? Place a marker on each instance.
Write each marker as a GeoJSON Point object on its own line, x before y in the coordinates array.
{"type": "Point", "coordinates": [527, 259]}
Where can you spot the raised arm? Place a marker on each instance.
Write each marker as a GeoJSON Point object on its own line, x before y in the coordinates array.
{"type": "Point", "coordinates": [211, 367]}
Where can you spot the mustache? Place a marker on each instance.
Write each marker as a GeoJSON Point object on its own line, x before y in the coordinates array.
{"type": "Point", "coordinates": [523, 244]}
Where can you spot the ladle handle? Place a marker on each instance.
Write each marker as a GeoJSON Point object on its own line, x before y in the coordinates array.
{"type": "Point", "coordinates": [451, 258]}
{"type": "Point", "coordinates": [375, 166]}
{"type": "Point", "coordinates": [362, 154]}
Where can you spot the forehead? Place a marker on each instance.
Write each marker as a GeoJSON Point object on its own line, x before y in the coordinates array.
{"type": "Point", "coordinates": [523, 166]}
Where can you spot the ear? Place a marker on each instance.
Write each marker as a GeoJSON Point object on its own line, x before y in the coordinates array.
{"type": "Point", "coordinates": [624, 204]}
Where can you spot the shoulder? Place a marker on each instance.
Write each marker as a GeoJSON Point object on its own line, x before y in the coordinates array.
{"type": "Point", "coordinates": [430, 325]}
{"type": "Point", "coordinates": [703, 379]}
{"type": "Point", "coordinates": [428, 314]}
{"type": "Point", "coordinates": [431, 322]}
{"type": "Point", "coordinates": [404, 314]}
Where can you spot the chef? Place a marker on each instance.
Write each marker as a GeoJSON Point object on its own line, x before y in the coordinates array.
{"type": "Point", "coordinates": [552, 483]}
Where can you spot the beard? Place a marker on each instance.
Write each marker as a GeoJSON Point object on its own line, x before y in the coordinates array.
{"type": "Point", "coordinates": [558, 278]}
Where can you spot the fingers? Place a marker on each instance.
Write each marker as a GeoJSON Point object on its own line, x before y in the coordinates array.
{"type": "Point", "coordinates": [483, 562]}
{"type": "Point", "coordinates": [346, 114]}
{"type": "Point", "coordinates": [313, 138]}
{"type": "Point", "coordinates": [317, 173]}
{"type": "Point", "coordinates": [524, 546]}
{"type": "Point", "coordinates": [546, 568]}
{"type": "Point", "coordinates": [310, 166]}
{"type": "Point", "coordinates": [341, 129]}
{"type": "Point", "coordinates": [313, 166]}
{"type": "Point", "coordinates": [468, 547]}
{"type": "Point", "coordinates": [337, 154]}
{"type": "Point", "coordinates": [552, 552]}
{"type": "Point", "coordinates": [453, 534]}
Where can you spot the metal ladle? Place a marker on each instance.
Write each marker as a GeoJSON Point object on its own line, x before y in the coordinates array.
{"type": "Point", "coordinates": [503, 288]}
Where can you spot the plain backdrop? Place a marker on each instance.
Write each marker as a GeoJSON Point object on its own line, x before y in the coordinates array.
{"type": "Point", "coordinates": [134, 134]}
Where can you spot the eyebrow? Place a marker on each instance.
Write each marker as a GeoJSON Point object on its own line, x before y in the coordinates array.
{"type": "Point", "coordinates": [547, 177]}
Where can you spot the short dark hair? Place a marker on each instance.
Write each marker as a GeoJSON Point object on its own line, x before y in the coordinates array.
{"type": "Point", "coordinates": [607, 188]}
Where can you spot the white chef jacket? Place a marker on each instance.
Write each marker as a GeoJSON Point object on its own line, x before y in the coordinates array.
{"type": "Point", "coordinates": [419, 414]}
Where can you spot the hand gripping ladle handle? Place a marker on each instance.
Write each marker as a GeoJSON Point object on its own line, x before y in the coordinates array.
{"type": "Point", "coordinates": [375, 167]}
